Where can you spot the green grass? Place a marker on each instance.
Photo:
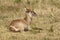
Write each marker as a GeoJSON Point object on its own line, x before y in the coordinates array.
{"type": "Point", "coordinates": [17, 1]}
{"type": "Point", "coordinates": [55, 3]}
{"type": "Point", "coordinates": [46, 26]}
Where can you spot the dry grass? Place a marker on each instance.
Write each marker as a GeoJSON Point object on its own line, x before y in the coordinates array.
{"type": "Point", "coordinates": [46, 26]}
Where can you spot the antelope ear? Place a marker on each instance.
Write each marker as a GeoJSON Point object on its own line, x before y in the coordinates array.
{"type": "Point", "coordinates": [25, 9]}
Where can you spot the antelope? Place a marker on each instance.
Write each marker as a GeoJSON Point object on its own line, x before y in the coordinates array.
{"type": "Point", "coordinates": [23, 24]}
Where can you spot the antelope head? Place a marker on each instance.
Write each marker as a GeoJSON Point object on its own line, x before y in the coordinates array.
{"type": "Point", "coordinates": [30, 12]}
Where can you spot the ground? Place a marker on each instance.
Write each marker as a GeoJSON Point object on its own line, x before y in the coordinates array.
{"type": "Point", "coordinates": [46, 26]}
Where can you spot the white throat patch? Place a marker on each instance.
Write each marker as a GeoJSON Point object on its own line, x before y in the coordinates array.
{"type": "Point", "coordinates": [30, 14]}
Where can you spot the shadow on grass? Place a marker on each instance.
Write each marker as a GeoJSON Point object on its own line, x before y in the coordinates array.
{"type": "Point", "coordinates": [36, 30]}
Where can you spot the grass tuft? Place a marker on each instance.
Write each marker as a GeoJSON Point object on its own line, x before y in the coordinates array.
{"type": "Point", "coordinates": [55, 3]}
{"type": "Point", "coordinates": [17, 1]}
{"type": "Point", "coordinates": [51, 29]}
{"type": "Point", "coordinates": [28, 2]}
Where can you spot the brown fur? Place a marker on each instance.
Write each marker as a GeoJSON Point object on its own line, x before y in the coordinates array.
{"type": "Point", "coordinates": [22, 24]}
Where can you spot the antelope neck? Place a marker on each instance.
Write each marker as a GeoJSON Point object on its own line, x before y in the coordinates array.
{"type": "Point", "coordinates": [28, 19]}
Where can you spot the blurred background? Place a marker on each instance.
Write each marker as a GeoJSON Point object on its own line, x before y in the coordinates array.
{"type": "Point", "coordinates": [46, 26]}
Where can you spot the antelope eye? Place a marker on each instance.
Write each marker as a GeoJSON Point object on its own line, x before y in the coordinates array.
{"type": "Point", "coordinates": [27, 11]}
{"type": "Point", "coordinates": [33, 12]}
